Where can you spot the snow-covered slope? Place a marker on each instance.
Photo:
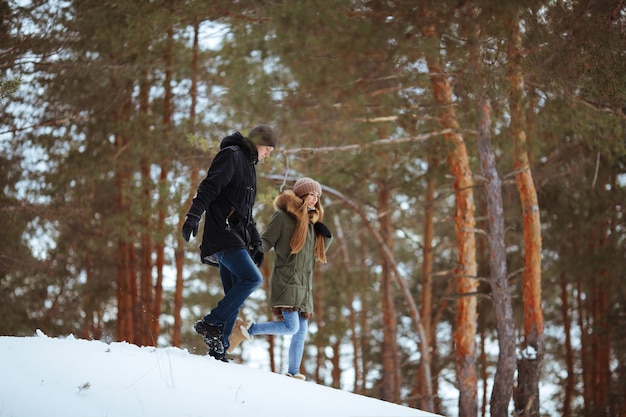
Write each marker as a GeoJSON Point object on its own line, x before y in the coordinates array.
{"type": "Point", "coordinates": [68, 377]}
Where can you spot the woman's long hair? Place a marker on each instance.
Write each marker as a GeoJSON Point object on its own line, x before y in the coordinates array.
{"type": "Point", "coordinates": [304, 216]}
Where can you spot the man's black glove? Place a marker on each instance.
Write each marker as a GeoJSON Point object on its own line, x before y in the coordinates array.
{"type": "Point", "coordinates": [191, 226]}
{"type": "Point", "coordinates": [321, 229]}
{"type": "Point", "coordinates": [257, 254]}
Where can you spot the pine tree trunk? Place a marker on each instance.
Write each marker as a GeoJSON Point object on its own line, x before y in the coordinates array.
{"type": "Point", "coordinates": [584, 348]}
{"type": "Point", "coordinates": [193, 178]}
{"type": "Point", "coordinates": [465, 273]}
{"type": "Point", "coordinates": [134, 292]}
{"type": "Point", "coordinates": [88, 305]}
{"type": "Point", "coordinates": [427, 251]}
{"type": "Point", "coordinates": [356, 347]}
{"type": "Point", "coordinates": [336, 371]}
{"type": "Point", "coordinates": [145, 261]}
{"type": "Point", "coordinates": [484, 375]}
{"type": "Point", "coordinates": [157, 300]}
{"type": "Point", "coordinates": [600, 340]}
{"type": "Point", "coordinates": [466, 317]}
{"type": "Point", "coordinates": [125, 262]}
{"type": "Point", "coordinates": [391, 367]}
{"type": "Point", "coordinates": [569, 354]}
{"type": "Point", "coordinates": [364, 323]}
{"type": "Point", "coordinates": [532, 352]}
{"type": "Point", "coordinates": [168, 110]}
{"type": "Point", "coordinates": [417, 392]}
{"type": "Point", "coordinates": [320, 317]}
{"type": "Point", "coordinates": [271, 339]}
{"type": "Point", "coordinates": [353, 317]}
{"type": "Point", "coordinates": [124, 327]}
{"type": "Point", "coordinates": [500, 295]}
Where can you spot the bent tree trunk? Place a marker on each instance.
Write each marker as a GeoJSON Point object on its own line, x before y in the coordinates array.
{"type": "Point", "coordinates": [428, 398]}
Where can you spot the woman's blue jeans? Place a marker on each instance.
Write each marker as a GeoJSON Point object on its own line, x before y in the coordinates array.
{"type": "Point", "coordinates": [240, 277]}
{"type": "Point", "coordinates": [296, 326]}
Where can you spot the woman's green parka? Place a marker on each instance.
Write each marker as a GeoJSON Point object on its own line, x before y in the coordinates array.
{"type": "Point", "coordinates": [292, 277]}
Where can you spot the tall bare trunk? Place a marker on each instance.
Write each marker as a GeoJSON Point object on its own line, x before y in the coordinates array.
{"type": "Point", "coordinates": [357, 362]}
{"type": "Point", "coordinates": [484, 374]}
{"type": "Point", "coordinates": [364, 323]}
{"type": "Point", "coordinates": [584, 348]}
{"type": "Point", "coordinates": [391, 367]}
{"type": "Point", "coordinates": [145, 260]}
{"type": "Point", "coordinates": [464, 220]}
{"type": "Point", "coordinates": [569, 353]}
{"type": "Point", "coordinates": [125, 263]}
{"type": "Point", "coordinates": [320, 318]}
{"type": "Point", "coordinates": [346, 263]}
{"type": "Point", "coordinates": [498, 280]}
{"type": "Point", "coordinates": [168, 110]}
{"type": "Point", "coordinates": [124, 327]}
{"type": "Point", "coordinates": [600, 337]}
{"type": "Point", "coordinates": [427, 250]}
{"type": "Point", "coordinates": [336, 371]}
{"type": "Point", "coordinates": [179, 256]}
{"type": "Point", "coordinates": [88, 330]}
{"type": "Point", "coordinates": [417, 392]}
{"type": "Point", "coordinates": [271, 339]}
{"type": "Point", "coordinates": [529, 365]}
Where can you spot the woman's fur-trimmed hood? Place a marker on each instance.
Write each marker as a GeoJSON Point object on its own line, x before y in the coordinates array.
{"type": "Point", "coordinates": [297, 208]}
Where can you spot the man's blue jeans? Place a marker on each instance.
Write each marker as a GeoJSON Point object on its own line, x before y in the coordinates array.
{"type": "Point", "coordinates": [294, 324]}
{"type": "Point", "coordinates": [240, 277]}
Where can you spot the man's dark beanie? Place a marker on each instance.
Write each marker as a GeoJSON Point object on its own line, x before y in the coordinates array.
{"type": "Point", "coordinates": [263, 135]}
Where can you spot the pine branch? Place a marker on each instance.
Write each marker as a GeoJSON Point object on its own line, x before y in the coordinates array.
{"type": "Point", "coordinates": [361, 146]}
{"type": "Point", "coordinates": [45, 123]}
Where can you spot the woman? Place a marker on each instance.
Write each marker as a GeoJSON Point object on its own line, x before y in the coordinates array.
{"type": "Point", "coordinates": [299, 238]}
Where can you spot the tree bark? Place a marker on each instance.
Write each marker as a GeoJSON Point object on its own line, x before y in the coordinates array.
{"type": "Point", "coordinates": [193, 178]}
{"type": "Point", "coordinates": [600, 337]}
{"type": "Point", "coordinates": [320, 317]}
{"type": "Point", "coordinates": [353, 317]}
{"type": "Point", "coordinates": [336, 371]}
{"type": "Point", "coordinates": [125, 262]}
{"type": "Point", "coordinates": [145, 260]}
{"type": "Point", "coordinates": [363, 321]}
{"type": "Point", "coordinates": [168, 111]}
{"type": "Point", "coordinates": [529, 365]}
{"type": "Point", "coordinates": [584, 348]}
{"type": "Point", "coordinates": [484, 374]}
{"type": "Point", "coordinates": [465, 273]}
{"type": "Point", "coordinates": [427, 269]}
{"type": "Point", "coordinates": [569, 353]}
{"type": "Point", "coordinates": [500, 295]}
{"type": "Point", "coordinates": [391, 366]}
{"type": "Point", "coordinates": [413, 310]}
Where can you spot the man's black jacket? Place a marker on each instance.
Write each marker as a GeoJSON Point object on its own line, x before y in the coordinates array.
{"type": "Point", "coordinates": [227, 196]}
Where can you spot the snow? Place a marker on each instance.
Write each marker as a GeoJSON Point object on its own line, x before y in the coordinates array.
{"type": "Point", "coordinates": [69, 377]}
{"type": "Point", "coordinates": [529, 353]}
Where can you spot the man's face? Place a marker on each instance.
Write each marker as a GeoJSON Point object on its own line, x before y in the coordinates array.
{"type": "Point", "coordinates": [264, 152]}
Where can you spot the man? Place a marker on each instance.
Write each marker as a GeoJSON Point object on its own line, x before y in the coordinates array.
{"type": "Point", "coordinates": [230, 239]}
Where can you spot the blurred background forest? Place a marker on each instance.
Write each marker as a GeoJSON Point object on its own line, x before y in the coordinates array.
{"type": "Point", "coordinates": [473, 157]}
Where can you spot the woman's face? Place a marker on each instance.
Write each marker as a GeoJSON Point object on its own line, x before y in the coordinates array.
{"type": "Point", "coordinates": [312, 199]}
